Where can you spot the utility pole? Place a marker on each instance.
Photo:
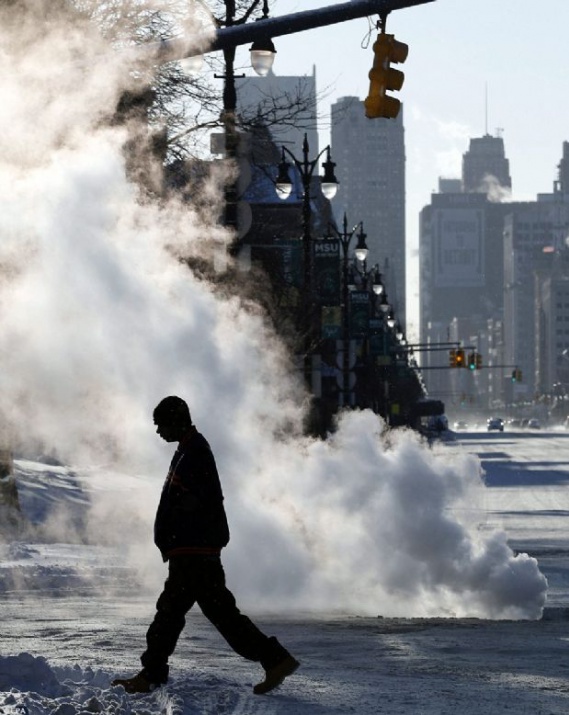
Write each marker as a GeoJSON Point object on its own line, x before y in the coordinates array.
{"type": "Point", "coordinates": [228, 117]}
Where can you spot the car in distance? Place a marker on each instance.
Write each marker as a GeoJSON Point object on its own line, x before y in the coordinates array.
{"type": "Point", "coordinates": [534, 423]}
{"type": "Point", "coordinates": [495, 423]}
{"type": "Point", "coordinates": [460, 425]}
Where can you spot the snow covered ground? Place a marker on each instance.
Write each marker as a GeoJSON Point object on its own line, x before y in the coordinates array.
{"type": "Point", "coordinates": [75, 615]}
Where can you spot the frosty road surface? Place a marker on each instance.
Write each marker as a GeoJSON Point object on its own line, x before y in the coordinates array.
{"type": "Point", "coordinates": [61, 645]}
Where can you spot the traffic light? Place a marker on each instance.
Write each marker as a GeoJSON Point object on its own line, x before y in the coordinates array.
{"type": "Point", "coordinates": [383, 77]}
{"type": "Point", "coordinates": [478, 361]}
{"type": "Point", "coordinates": [460, 358]}
{"type": "Point", "coordinates": [452, 358]}
{"type": "Point", "coordinates": [472, 361]}
{"type": "Point", "coordinates": [516, 375]}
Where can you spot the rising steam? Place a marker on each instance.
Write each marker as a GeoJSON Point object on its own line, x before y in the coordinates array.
{"type": "Point", "coordinates": [99, 320]}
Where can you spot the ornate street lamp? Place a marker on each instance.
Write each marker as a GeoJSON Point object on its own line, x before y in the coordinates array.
{"type": "Point", "coordinates": [361, 249]}
{"type": "Point", "coordinates": [377, 285]}
{"type": "Point", "coordinates": [328, 184]}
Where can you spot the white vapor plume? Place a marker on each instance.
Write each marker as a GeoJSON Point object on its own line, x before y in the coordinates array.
{"type": "Point", "coordinates": [99, 321]}
{"type": "Point", "coordinates": [496, 193]}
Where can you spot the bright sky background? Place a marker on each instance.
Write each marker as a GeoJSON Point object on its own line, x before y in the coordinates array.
{"type": "Point", "coordinates": [456, 47]}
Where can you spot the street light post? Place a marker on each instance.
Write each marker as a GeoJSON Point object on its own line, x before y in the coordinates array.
{"type": "Point", "coordinates": [329, 184]}
{"type": "Point", "coordinates": [345, 238]}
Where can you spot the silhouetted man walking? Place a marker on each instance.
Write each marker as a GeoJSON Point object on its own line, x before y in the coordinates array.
{"type": "Point", "coordinates": [190, 530]}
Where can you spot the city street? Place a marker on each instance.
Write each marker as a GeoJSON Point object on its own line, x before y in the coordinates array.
{"type": "Point", "coordinates": [527, 475]}
{"type": "Point", "coordinates": [350, 662]}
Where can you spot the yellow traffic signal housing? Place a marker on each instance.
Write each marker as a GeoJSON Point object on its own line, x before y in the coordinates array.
{"type": "Point", "coordinates": [452, 358]}
{"type": "Point", "coordinates": [460, 357]}
{"type": "Point", "coordinates": [472, 361]}
{"type": "Point", "coordinates": [384, 78]}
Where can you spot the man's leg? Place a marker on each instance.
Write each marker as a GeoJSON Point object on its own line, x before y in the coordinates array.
{"type": "Point", "coordinates": [174, 602]}
{"type": "Point", "coordinates": [218, 606]}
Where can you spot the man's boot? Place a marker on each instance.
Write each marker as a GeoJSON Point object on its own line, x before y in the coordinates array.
{"type": "Point", "coordinates": [274, 676]}
{"type": "Point", "coordinates": [139, 683]}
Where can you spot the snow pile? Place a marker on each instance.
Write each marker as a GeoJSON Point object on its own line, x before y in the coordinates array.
{"type": "Point", "coordinates": [30, 685]}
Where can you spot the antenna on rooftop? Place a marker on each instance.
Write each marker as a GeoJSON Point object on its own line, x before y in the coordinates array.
{"type": "Point", "coordinates": [486, 108]}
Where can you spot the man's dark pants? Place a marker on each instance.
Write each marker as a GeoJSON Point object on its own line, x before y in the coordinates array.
{"type": "Point", "coordinates": [201, 580]}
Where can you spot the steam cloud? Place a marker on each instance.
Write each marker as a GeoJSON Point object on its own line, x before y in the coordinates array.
{"type": "Point", "coordinates": [98, 321]}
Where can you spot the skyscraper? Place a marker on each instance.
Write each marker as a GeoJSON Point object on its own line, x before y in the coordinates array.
{"type": "Point", "coordinates": [461, 244]}
{"type": "Point", "coordinates": [485, 166]}
{"type": "Point", "coordinates": [370, 166]}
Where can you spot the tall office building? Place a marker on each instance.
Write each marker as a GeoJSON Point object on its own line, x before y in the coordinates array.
{"type": "Point", "coordinates": [461, 245]}
{"type": "Point", "coordinates": [370, 166]}
{"type": "Point", "coordinates": [535, 270]}
{"type": "Point", "coordinates": [485, 166]}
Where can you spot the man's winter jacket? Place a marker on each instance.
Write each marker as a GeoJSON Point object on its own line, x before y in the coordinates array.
{"type": "Point", "coordinates": [191, 517]}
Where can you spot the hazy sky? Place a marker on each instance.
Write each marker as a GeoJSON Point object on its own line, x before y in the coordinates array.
{"type": "Point", "coordinates": [456, 48]}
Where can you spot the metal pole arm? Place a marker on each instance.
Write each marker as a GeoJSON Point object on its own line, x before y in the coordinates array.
{"type": "Point", "coordinates": [344, 236]}
{"type": "Point", "coordinates": [236, 35]}
{"type": "Point", "coordinates": [306, 166]}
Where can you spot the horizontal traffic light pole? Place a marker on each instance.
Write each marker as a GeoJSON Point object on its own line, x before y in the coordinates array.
{"type": "Point", "coordinates": [482, 367]}
{"type": "Point", "coordinates": [426, 347]}
{"type": "Point", "coordinates": [228, 37]}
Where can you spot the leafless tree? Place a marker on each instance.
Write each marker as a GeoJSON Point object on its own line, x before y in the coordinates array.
{"type": "Point", "coordinates": [191, 106]}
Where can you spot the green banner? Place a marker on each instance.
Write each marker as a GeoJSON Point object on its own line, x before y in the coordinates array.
{"type": "Point", "coordinates": [359, 313]}
{"type": "Point", "coordinates": [332, 322]}
{"type": "Point", "coordinates": [326, 254]}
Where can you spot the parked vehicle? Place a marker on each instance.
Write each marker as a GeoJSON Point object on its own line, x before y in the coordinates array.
{"type": "Point", "coordinates": [534, 423]}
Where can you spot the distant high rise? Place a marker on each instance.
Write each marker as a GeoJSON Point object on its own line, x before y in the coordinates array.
{"type": "Point", "coordinates": [485, 158]}
{"type": "Point", "coordinates": [562, 185]}
{"type": "Point", "coordinates": [461, 243]}
{"type": "Point", "coordinates": [370, 166]}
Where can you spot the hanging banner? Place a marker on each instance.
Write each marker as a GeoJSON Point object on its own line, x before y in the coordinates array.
{"type": "Point", "coordinates": [331, 322]}
{"type": "Point", "coordinates": [377, 344]}
{"type": "Point", "coordinates": [282, 261]}
{"type": "Point", "coordinates": [359, 313]}
{"type": "Point", "coordinates": [327, 271]}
